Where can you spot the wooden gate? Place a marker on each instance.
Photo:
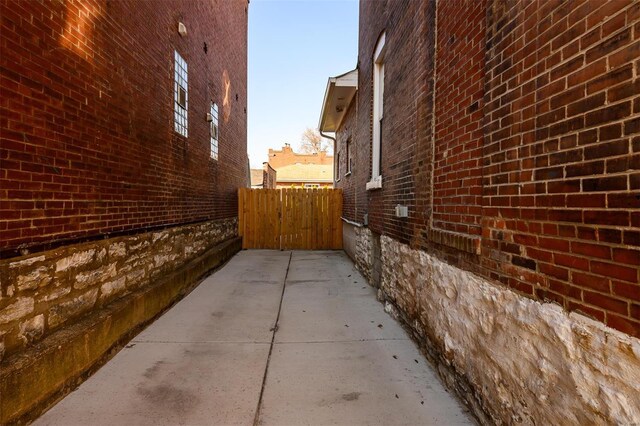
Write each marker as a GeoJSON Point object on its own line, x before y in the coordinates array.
{"type": "Point", "coordinates": [304, 219]}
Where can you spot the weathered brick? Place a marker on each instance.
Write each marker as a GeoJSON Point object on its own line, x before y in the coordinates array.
{"type": "Point", "coordinates": [612, 183]}
{"type": "Point", "coordinates": [608, 114]}
{"type": "Point", "coordinates": [608, 149]}
{"type": "Point", "coordinates": [620, 272]}
{"type": "Point", "coordinates": [108, 152]}
{"type": "Point", "coordinates": [606, 302]}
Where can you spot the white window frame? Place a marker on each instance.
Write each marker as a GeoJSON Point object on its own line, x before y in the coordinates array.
{"type": "Point", "coordinates": [214, 131]}
{"type": "Point", "coordinates": [180, 83]}
{"type": "Point", "coordinates": [378, 110]}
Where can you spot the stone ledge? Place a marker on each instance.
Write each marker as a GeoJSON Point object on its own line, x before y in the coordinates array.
{"type": "Point", "coordinates": [31, 381]}
{"type": "Point", "coordinates": [463, 242]}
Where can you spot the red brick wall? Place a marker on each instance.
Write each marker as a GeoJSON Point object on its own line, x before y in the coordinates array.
{"type": "Point", "coordinates": [346, 182]}
{"type": "Point", "coordinates": [531, 141]}
{"type": "Point", "coordinates": [406, 128]}
{"type": "Point", "coordinates": [562, 155]}
{"type": "Point", "coordinates": [86, 101]}
{"type": "Point", "coordinates": [460, 53]}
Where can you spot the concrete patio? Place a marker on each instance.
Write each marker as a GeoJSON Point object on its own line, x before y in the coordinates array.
{"type": "Point", "coordinates": [273, 338]}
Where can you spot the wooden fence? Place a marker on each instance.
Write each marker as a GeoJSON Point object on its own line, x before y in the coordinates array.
{"type": "Point", "coordinates": [286, 219]}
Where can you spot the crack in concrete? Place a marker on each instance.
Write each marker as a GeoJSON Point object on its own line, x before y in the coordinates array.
{"type": "Point", "coordinates": [256, 419]}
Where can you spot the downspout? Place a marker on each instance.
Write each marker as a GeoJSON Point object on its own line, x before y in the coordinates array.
{"type": "Point", "coordinates": [324, 135]}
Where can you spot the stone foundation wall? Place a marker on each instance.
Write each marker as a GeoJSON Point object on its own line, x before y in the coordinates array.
{"type": "Point", "coordinates": [363, 251]}
{"type": "Point", "coordinates": [513, 359]}
{"type": "Point", "coordinates": [42, 292]}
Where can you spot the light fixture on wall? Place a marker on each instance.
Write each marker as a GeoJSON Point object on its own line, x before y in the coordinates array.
{"type": "Point", "coordinates": [182, 29]}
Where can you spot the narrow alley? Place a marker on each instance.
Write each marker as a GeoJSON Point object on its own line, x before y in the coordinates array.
{"type": "Point", "coordinates": [462, 175]}
{"type": "Point", "coordinates": [333, 357]}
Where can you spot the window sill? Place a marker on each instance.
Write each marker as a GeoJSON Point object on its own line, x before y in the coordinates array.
{"type": "Point", "coordinates": [462, 242]}
{"type": "Point", "coordinates": [375, 183]}
{"type": "Point", "coordinates": [347, 174]}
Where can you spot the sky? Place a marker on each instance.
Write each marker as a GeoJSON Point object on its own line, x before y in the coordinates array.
{"type": "Point", "coordinates": [294, 47]}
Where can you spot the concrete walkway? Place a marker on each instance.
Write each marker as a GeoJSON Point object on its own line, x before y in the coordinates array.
{"type": "Point", "coordinates": [218, 356]}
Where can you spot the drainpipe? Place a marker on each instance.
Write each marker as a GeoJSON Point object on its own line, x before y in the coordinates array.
{"type": "Point", "coordinates": [334, 154]}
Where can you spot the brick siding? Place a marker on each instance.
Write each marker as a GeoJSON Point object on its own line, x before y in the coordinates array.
{"type": "Point", "coordinates": [86, 115]}
{"type": "Point", "coordinates": [529, 129]}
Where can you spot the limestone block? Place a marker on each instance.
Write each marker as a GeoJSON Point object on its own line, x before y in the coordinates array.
{"type": "Point", "coordinates": [117, 250]}
{"type": "Point", "coordinates": [38, 277]}
{"type": "Point", "coordinates": [72, 308]}
{"type": "Point", "coordinates": [136, 276]}
{"type": "Point", "coordinates": [160, 260]}
{"type": "Point", "coordinates": [159, 236]}
{"type": "Point", "coordinates": [32, 329]}
{"type": "Point", "coordinates": [101, 254]}
{"type": "Point", "coordinates": [57, 293]}
{"type": "Point", "coordinates": [138, 245]}
{"type": "Point", "coordinates": [22, 307]}
{"type": "Point", "coordinates": [77, 259]}
{"type": "Point", "coordinates": [112, 288]}
{"type": "Point", "coordinates": [89, 278]}
{"type": "Point", "coordinates": [26, 262]}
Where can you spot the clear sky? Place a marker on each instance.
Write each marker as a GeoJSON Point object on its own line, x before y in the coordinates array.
{"type": "Point", "coordinates": [294, 47]}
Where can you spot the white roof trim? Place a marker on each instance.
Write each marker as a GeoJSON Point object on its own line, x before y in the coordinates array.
{"type": "Point", "coordinates": [337, 98]}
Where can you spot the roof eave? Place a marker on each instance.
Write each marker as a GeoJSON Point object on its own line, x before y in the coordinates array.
{"type": "Point", "coordinates": [333, 109]}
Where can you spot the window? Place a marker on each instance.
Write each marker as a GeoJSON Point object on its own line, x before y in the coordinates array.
{"type": "Point", "coordinates": [180, 95]}
{"type": "Point", "coordinates": [378, 109]}
{"type": "Point", "coordinates": [337, 178]}
{"type": "Point", "coordinates": [348, 152]}
{"type": "Point", "coordinates": [213, 130]}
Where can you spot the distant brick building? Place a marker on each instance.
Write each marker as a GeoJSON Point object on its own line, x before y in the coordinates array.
{"type": "Point", "coordinates": [295, 170]}
{"type": "Point", "coordinates": [264, 177]}
{"type": "Point", "coordinates": [286, 156]}
{"type": "Point", "coordinates": [489, 156]}
{"type": "Point", "coordinates": [123, 128]}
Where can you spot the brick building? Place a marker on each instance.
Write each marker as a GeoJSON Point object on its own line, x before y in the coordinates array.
{"type": "Point", "coordinates": [492, 149]}
{"type": "Point", "coordinates": [296, 170]}
{"type": "Point", "coordinates": [286, 156]}
{"type": "Point", "coordinates": [264, 177]}
{"type": "Point", "coordinates": [123, 128]}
